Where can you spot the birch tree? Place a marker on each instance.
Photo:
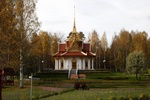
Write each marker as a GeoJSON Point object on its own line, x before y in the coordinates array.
{"type": "Point", "coordinates": [27, 24]}
{"type": "Point", "coordinates": [104, 45]}
{"type": "Point", "coordinates": [95, 43]}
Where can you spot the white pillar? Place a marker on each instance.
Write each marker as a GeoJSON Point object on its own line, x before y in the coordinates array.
{"type": "Point", "coordinates": [83, 63]}
{"type": "Point", "coordinates": [59, 64]}
{"type": "Point", "coordinates": [67, 64]}
{"type": "Point", "coordinates": [64, 63]}
{"type": "Point", "coordinates": [79, 63]}
{"type": "Point", "coordinates": [56, 64]}
{"type": "Point", "coordinates": [92, 63]}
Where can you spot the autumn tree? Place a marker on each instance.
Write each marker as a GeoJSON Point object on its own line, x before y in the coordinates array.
{"type": "Point", "coordinates": [8, 44]}
{"type": "Point", "coordinates": [139, 40]}
{"type": "Point", "coordinates": [27, 24]}
{"type": "Point", "coordinates": [136, 63]}
{"type": "Point", "coordinates": [46, 43]}
{"type": "Point", "coordinates": [124, 47]}
{"type": "Point", "coordinates": [148, 52]}
{"type": "Point", "coordinates": [95, 42]}
{"type": "Point", "coordinates": [120, 48]}
{"type": "Point", "coordinates": [104, 45]}
{"type": "Point", "coordinates": [113, 50]}
{"type": "Point", "coordinates": [41, 50]}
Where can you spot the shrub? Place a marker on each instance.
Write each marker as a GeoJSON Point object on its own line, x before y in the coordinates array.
{"type": "Point", "coordinates": [115, 78]}
{"type": "Point", "coordinates": [136, 63]}
{"type": "Point", "coordinates": [149, 71]}
{"type": "Point", "coordinates": [99, 99]}
{"type": "Point", "coordinates": [77, 85]}
{"type": "Point", "coordinates": [144, 97]}
{"type": "Point", "coordinates": [80, 85]}
{"type": "Point", "coordinates": [112, 98]}
{"type": "Point", "coordinates": [122, 98]}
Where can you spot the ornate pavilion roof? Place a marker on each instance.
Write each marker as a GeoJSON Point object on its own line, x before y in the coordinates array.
{"type": "Point", "coordinates": [74, 46]}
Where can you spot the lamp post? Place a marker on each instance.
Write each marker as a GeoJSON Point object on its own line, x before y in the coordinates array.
{"type": "Point", "coordinates": [31, 77]}
{"type": "Point", "coordinates": [42, 64]}
{"type": "Point", "coordinates": [0, 84]}
{"type": "Point", "coordinates": [104, 61]}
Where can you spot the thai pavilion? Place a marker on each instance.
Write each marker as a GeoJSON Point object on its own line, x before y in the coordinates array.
{"type": "Point", "coordinates": [74, 53]}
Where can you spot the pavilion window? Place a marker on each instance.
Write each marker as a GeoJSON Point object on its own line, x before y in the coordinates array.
{"type": "Point", "coordinates": [90, 63]}
{"type": "Point", "coordinates": [62, 64]}
{"type": "Point", "coordinates": [74, 63]}
{"type": "Point", "coordinates": [86, 64]}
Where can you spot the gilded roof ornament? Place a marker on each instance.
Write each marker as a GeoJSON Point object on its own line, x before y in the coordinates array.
{"type": "Point", "coordinates": [74, 26]}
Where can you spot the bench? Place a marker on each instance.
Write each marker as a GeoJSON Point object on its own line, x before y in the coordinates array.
{"type": "Point", "coordinates": [83, 76]}
{"type": "Point", "coordinates": [74, 76]}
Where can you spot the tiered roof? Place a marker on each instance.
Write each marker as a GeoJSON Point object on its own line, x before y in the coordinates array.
{"type": "Point", "coordinates": [74, 46]}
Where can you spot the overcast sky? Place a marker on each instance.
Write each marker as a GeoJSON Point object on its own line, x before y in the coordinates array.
{"type": "Point", "coordinates": [108, 16]}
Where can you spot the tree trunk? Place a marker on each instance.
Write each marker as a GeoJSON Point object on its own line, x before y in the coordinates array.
{"type": "Point", "coordinates": [137, 75]}
{"type": "Point", "coordinates": [21, 66]}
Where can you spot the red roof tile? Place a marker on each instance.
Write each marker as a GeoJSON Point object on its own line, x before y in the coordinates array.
{"type": "Point", "coordinates": [84, 53]}
{"type": "Point", "coordinates": [62, 47]}
{"type": "Point", "coordinates": [86, 47]}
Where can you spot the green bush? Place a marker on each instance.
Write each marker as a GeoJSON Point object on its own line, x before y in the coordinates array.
{"type": "Point", "coordinates": [141, 97]}
{"type": "Point", "coordinates": [112, 98]}
{"type": "Point", "coordinates": [144, 97]}
{"type": "Point", "coordinates": [99, 99]}
{"type": "Point", "coordinates": [122, 98]}
{"type": "Point", "coordinates": [149, 71]}
{"type": "Point", "coordinates": [80, 85]}
{"type": "Point", "coordinates": [115, 78]}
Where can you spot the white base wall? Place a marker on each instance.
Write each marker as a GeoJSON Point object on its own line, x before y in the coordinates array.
{"type": "Point", "coordinates": [65, 63]}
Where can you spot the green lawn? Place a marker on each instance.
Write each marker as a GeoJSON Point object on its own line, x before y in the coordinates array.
{"type": "Point", "coordinates": [102, 85]}
{"type": "Point", "coordinates": [104, 94]}
{"type": "Point", "coordinates": [15, 93]}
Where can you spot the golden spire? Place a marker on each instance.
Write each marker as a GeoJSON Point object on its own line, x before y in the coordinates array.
{"type": "Point", "coordinates": [74, 26]}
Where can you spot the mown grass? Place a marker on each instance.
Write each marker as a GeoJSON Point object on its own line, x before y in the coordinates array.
{"type": "Point", "coordinates": [98, 94]}
{"type": "Point", "coordinates": [90, 75]}
{"type": "Point", "coordinates": [16, 93]}
{"type": "Point", "coordinates": [52, 76]}
{"type": "Point", "coordinates": [101, 85]}
{"type": "Point", "coordinates": [93, 80]}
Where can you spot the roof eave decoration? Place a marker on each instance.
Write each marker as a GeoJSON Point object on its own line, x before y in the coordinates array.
{"type": "Point", "coordinates": [64, 53]}
{"type": "Point", "coordinates": [94, 54]}
{"type": "Point", "coordinates": [84, 53]}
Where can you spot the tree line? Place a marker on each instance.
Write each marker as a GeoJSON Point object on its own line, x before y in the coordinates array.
{"type": "Point", "coordinates": [114, 57]}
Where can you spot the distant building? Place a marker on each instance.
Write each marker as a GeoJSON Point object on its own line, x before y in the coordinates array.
{"type": "Point", "coordinates": [74, 53]}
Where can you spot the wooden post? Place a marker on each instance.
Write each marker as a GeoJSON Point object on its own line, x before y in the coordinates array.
{"type": "Point", "coordinates": [0, 84]}
{"type": "Point", "coordinates": [31, 77]}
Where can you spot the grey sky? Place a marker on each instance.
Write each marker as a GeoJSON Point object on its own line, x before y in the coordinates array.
{"type": "Point", "coordinates": [108, 16]}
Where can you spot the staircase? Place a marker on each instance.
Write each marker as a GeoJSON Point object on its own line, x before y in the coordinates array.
{"type": "Point", "coordinates": [72, 73]}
